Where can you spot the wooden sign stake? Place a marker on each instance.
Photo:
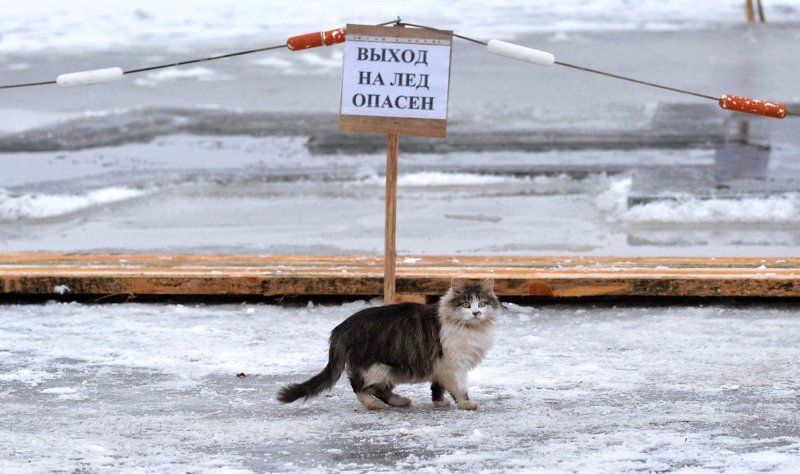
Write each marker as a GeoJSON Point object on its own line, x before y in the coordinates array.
{"type": "Point", "coordinates": [390, 250]}
{"type": "Point", "coordinates": [395, 81]}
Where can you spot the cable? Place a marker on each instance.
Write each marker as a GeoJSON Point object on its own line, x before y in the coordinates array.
{"type": "Point", "coordinates": [180, 63]}
{"type": "Point", "coordinates": [430, 28]}
{"type": "Point", "coordinates": [161, 66]}
{"type": "Point", "coordinates": [210, 58]}
{"type": "Point", "coordinates": [638, 81]}
{"type": "Point", "coordinates": [586, 69]}
{"type": "Point", "coordinates": [595, 71]}
{"type": "Point", "coordinates": [398, 22]}
{"type": "Point", "coordinates": [27, 84]}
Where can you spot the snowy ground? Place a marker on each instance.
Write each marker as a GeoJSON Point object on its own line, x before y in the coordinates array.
{"type": "Point", "coordinates": [153, 388]}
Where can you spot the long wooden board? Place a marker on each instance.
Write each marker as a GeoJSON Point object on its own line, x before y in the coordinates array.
{"type": "Point", "coordinates": [38, 274]}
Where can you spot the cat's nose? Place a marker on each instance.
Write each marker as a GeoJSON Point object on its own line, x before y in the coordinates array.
{"type": "Point", "coordinates": [475, 313]}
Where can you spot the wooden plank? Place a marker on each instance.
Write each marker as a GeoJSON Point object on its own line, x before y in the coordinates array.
{"type": "Point", "coordinates": [412, 33]}
{"type": "Point", "coordinates": [32, 274]}
{"type": "Point", "coordinates": [404, 126]}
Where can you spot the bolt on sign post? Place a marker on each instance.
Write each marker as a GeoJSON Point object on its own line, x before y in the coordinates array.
{"type": "Point", "coordinates": [395, 81]}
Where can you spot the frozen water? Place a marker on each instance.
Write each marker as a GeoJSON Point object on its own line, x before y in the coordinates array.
{"type": "Point", "coordinates": [40, 206]}
{"type": "Point", "coordinates": [95, 24]}
{"type": "Point", "coordinates": [200, 73]}
{"type": "Point", "coordinates": [153, 388]}
{"type": "Point", "coordinates": [236, 194]}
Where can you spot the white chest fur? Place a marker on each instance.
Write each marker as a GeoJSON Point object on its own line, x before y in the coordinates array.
{"type": "Point", "coordinates": [463, 348]}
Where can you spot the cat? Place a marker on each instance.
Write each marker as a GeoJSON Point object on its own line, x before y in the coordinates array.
{"type": "Point", "coordinates": [409, 343]}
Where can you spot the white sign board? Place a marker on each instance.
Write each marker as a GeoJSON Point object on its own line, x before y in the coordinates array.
{"type": "Point", "coordinates": [396, 72]}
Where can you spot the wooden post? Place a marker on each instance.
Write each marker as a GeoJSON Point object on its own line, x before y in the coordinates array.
{"type": "Point", "coordinates": [390, 252]}
{"type": "Point", "coordinates": [749, 11]}
{"type": "Point", "coordinates": [371, 79]}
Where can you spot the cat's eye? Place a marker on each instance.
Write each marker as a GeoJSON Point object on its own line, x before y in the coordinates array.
{"type": "Point", "coordinates": [465, 305]}
{"type": "Point", "coordinates": [481, 304]}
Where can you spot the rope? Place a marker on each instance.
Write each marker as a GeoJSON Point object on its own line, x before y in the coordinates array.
{"type": "Point", "coordinates": [586, 69]}
{"type": "Point", "coordinates": [161, 66]}
{"type": "Point", "coordinates": [200, 60]}
{"type": "Point", "coordinates": [430, 28]}
{"type": "Point", "coordinates": [638, 81]}
{"type": "Point", "coordinates": [398, 22]}
{"type": "Point", "coordinates": [595, 71]}
{"type": "Point", "coordinates": [180, 63]}
{"type": "Point", "coordinates": [27, 84]}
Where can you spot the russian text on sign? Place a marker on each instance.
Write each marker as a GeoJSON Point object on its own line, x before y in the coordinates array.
{"type": "Point", "coordinates": [402, 77]}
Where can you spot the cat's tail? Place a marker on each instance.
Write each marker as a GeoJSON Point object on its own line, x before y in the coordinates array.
{"type": "Point", "coordinates": [324, 380]}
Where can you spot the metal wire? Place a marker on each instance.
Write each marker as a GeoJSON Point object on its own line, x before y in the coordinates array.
{"type": "Point", "coordinates": [161, 66]}
{"type": "Point", "coordinates": [586, 69]}
{"type": "Point", "coordinates": [179, 63]}
{"type": "Point", "coordinates": [638, 81]}
{"type": "Point", "coordinates": [467, 38]}
{"type": "Point", "coordinates": [27, 84]}
{"type": "Point", "coordinates": [200, 60]}
{"type": "Point", "coordinates": [398, 22]}
{"type": "Point", "coordinates": [595, 71]}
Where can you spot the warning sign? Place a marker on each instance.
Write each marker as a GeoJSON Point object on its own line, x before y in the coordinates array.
{"type": "Point", "coordinates": [395, 80]}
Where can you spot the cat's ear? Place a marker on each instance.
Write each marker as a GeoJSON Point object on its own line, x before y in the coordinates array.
{"type": "Point", "coordinates": [457, 285]}
{"type": "Point", "coordinates": [488, 286]}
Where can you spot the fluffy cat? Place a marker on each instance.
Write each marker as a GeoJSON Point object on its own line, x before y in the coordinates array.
{"type": "Point", "coordinates": [409, 343]}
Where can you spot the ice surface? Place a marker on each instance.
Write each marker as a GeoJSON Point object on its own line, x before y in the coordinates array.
{"type": "Point", "coordinates": [95, 24]}
{"type": "Point", "coordinates": [153, 388]}
{"type": "Point", "coordinates": [235, 194]}
{"type": "Point", "coordinates": [779, 208]}
{"type": "Point", "coordinates": [200, 73]}
{"type": "Point", "coordinates": [39, 205]}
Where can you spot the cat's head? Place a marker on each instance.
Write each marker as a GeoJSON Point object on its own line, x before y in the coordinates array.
{"type": "Point", "coordinates": [471, 304]}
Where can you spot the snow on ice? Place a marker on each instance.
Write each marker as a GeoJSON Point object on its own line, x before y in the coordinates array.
{"type": "Point", "coordinates": [139, 387]}
{"type": "Point", "coordinates": [41, 205]}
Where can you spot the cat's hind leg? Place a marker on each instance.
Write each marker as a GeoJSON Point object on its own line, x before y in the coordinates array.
{"type": "Point", "coordinates": [437, 395]}
{"type": "Point", "coordinates": [362, 393]}
{"type": "Point", "coordinates": [386, 394]}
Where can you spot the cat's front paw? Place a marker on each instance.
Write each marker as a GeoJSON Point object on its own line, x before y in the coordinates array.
{"type": "Point", "coordinates": [467, 405]}
{"type": "Point", "coordinates": [441, 403]}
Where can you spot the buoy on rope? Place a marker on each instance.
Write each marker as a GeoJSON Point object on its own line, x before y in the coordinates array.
{"type": "Point", "coordinates": [87, 78]}
{"type": "Point", "coordinates": [521, 53]}
{"type": "Point", "coordinates": [753, 106]}
{"type": "Point", "coordinates": [313, 40]}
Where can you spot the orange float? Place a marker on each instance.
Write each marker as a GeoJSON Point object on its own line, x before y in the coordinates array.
{"type": "Point", "coordinates": [753, 106]}
{"type": "Point", "coordinates": [313, 40]}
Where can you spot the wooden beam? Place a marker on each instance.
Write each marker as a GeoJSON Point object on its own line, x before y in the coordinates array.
{"type": "Point", "coordinates": [32, 274]}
